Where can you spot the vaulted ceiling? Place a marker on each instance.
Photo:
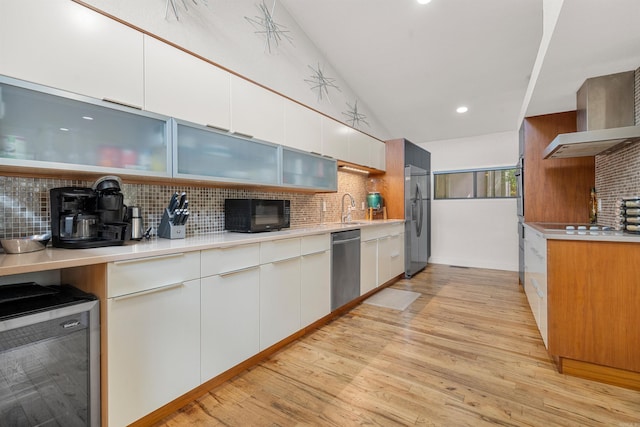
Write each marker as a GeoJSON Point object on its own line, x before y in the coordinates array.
{"type": "Point", "coordinates": [413, 65]}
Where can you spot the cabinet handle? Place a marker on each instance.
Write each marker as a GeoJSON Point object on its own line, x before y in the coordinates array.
{"type": "Point", "coordinates": [133, 261]}
{"type": "Point", "coordinates": [314, 254]}
{"type": "Point", "coordinates": [217, 128]}
{"type": "Point", "coordinates": [226, 248]}
{"type": "Point", "coordinates": [243, 135]}
{"type": "Point", "coordinates": [124, 104]}
{"type": "Point", "coordinates": [148, 291]}
{"type": "Point", "coordinates": [242, 270]}
{"type": "Point", "coordinates": [280, 261]}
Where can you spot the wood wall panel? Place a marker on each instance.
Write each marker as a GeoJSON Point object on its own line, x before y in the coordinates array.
{"type": "Point", "coordinates": [593, 302]}
{"type": "Point", "coordinates": [555, 190]}
{"type": "Point", "coordinates": [393, 179]}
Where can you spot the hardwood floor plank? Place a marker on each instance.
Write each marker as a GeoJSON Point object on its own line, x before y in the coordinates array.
{"type": "Point", "coordinates": [465, 353]}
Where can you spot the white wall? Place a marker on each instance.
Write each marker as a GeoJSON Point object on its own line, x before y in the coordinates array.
{"type": "Point", "coordinates": [476, 232]}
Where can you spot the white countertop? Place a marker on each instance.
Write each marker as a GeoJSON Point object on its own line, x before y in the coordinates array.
{"type": "Point", "coordinates": [55, 258]}
{"type": "Point", "coordinates": [557, 231]}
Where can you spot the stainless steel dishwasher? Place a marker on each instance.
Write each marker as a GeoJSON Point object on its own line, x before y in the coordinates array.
{"type": "Point", "coordinates": [345, 267]}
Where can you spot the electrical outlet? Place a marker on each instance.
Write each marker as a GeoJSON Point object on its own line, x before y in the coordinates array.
{"type": "Point", "coordinates": [363, 206]}
{"type": "Point", "coordinates": [599, 205]}
{"type": "Point", "coordinates": [324, 206]}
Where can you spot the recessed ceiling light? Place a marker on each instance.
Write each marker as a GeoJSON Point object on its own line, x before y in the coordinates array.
{"type": "Point", "coordinates": [462, 109]}
{"type": "Point", "coordinates": [87, 117]}
{"type": "Point", "coordinates": [423, 1]}
{"type": "Point", "coordinates": [64, 129]}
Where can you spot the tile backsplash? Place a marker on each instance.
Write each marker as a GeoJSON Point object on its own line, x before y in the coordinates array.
{"type": "Point", "coordinates": [618, 174]}
{"type": "Point", "coordinates": [24, 203]}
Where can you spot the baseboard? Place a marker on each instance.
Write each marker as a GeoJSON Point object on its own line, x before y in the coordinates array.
{"type": "Point", "coordinates": [604, 374]}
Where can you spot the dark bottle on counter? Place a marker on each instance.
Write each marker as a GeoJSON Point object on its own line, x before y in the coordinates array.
{"type": "Point", "coordinates": [593, 207]}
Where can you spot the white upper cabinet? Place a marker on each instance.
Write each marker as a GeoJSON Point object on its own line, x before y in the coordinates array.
{"type": "Point", "coordinates": [180, 85]}
{"type": "Point", "coordinates": [302, 128]}
{"type": "Point", "coordinates": [365, 150]}
{"type": "Point", "coordinates": [378, 155]}
{"type": "Point", "coordinates": [359, 148]}
{"type": "Point", "coordinates": [68, 46]}
{"type": "Point", "coordinates": [335, 139]}
{"type": "Point", "coordinates": [256, 111]}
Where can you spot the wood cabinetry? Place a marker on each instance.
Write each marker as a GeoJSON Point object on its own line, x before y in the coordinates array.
{"type": "Point", "coordinates": [594, 295]}
{"type": "Point", "coordinates": [398, 154]}
{"type": "Point", "coordinates": [555, 190]}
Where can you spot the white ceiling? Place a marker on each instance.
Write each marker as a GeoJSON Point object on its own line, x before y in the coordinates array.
{"type": "Point", "coordinates": [412, 64]}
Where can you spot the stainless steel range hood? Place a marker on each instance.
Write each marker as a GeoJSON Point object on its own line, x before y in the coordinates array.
{"type": "Point", "coordinates": [606, 116]}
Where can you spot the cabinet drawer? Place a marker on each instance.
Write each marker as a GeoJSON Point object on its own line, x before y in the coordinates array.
{"type": "Point", "coordinates": [395, 229]}
{"type": "Point", "coordinates": [316, 243]}
{"type": "Point", "coordinates": [234, 258]}
{"type": "Point", "coordinates": [127, 277]}
{"type": "Point", "coordinates": [278, 250]}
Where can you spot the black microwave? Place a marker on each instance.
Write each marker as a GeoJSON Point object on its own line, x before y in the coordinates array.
{"type": "Point", "coordinates": [255, 215]}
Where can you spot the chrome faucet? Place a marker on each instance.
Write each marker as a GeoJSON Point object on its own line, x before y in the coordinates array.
{"type": "Point", "coordinates": [347, 217]}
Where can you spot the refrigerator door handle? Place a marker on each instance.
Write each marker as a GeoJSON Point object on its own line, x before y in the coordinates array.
{"type": "Point", "coordinates": [419, 200]}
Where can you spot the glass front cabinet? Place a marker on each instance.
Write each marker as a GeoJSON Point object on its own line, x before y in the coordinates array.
{"type": "Point", "coordinates": [44, 128]}
{"type": "Point", "coordinates": [309, 171]}
{"type": "Point", "coordinates": [206, 154]}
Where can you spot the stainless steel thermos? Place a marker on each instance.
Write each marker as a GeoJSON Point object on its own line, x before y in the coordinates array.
{"type": "Point", "coordinates": [134, 217]}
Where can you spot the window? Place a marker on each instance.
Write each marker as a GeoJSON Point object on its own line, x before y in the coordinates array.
{"type": "Point", "coordinates": [476, 184]}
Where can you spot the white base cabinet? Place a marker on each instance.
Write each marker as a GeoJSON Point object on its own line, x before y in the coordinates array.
{"type": "Point", "coordinates": [230, 307]}
{"type": "Point", "coordinates": [153, 315]}
{"type": "Point", "coordinates": [177, 321]}
{"type": "Point", "coordinates": [153, 355]}
{"type": "Point", "coordinates": [315, 278]}
{"type": "Point", "coordinates": [230, 320]}
{"type": "Point", "coordinates": [381, 255]}
{"type": "Point", "coordinates": [368, 265]}
{"type": "Point", "coordinates": [279, 300]}
{"type": "Point", "coordinates": [535, 278]}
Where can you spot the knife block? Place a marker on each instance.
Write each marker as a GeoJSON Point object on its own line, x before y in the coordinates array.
{"type": "Point", "coordinates": [168, 230]}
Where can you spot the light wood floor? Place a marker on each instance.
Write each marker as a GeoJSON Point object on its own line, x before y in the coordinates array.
{"type": "Point", "coordinates": [465, 353]}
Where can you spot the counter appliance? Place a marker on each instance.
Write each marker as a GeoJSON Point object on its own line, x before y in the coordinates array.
{"type": "Point", "coordinates": [256, 215]}
{"type": "Point", "coordinates": [345, 267]}
{"type": "Point", "coordinates": [88, 217]}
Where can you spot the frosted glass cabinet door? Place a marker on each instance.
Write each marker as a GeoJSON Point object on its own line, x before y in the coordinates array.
{"type": "Point", "coordinates": [206, 154]}
{"type": "Point", "coordinates": [308, 171]}
{"type": "Point", "coordinates": [46, 128]}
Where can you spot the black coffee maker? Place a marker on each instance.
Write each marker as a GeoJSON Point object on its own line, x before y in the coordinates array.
{"type": "Point", "coordinates": [88, 217]}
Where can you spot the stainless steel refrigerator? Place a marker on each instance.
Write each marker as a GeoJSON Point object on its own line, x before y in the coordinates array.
{"type": "Point", "coordinates": [417, 223]}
